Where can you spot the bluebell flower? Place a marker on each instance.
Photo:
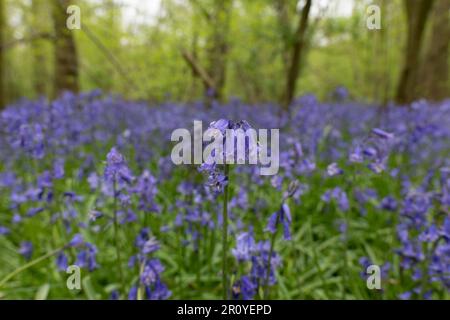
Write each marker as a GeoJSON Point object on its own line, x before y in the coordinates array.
{"type": "Point", "coordinates": [216, 179]}
{"type": "Point", "coordinates": [61, 261]}
{"type": "Point", "coordinates": [245, 246]}
{"type": "Point", "coordinates": [151, 272]}
{"type": "Point", "coordinates": [260, 268]}
{"type": "Point", "coordinates": [34, 211]}
{"type": "Point", "coordinates": [26, 249]}
{"type": "Point", "coordinates": [282, 216]}
{"type": "Point", "coordinates": [244, 289]}
{"type": "Point", "coordinates": [142, 237]}
{"type": "Point", "coordinates": [114, 295]}
{"type": "Point", "coordinates": [388, 203]}
{"type": "Point", "coordinates": [277, 182]}
{"type": "Point", "coordinates": [150, 277]}
{"type": "Point", "coordinates": [93, 180]}
{"type": "Point", "coordinates": [405, 295]}
{"type": "Point", "coordinates": [7, 179]}
{"type": "Point", "coordinates": [4, 231]}
{"type": "Point", "coordinates": [76, 241]}
{"type": "Point", "coordinates": [94, 215]}
{"type": "Point", "coordinates": [445, 232]}
{"type": "Point", "coordinates": [357, 155]}
{"type": "Point", "coordinates": [17, 218]}
{"type": "Point", "coordinates": [45, 180]}
{"type": "Point", "coordinates": [116, 168]}
{"type": "Point", "coordinates": [132, 295]}
{"type": "Point", "coordinates": [159, 291]}
{"type": "Point", "coordinates": [382, 134]}
{"type": "Point", "coordinates": [71, 197]}
{"type": "Point", "coordinates": [150, 246]}
{"type": "Point", "coordinates": [377, 166]}
{"type": "Point", "coordinates": [132, 261]}
{"type": "Point", "coordinates": [146, 188]}
{"type": "Point", "coordinates": [343, 227]}
{"type": "Point", "coordinates": [306, 166]}
{"type": "Point", "coordinates": [370, 152]}
{"type": "Point", "coordinates": [431, 234]}
{"type": "Point", "coordinates": [31, 139]}
{"type": "Point", "coordinates": [334, 170]}
{"type": "Point", "coordinates": [128, 216]}
{"type": "Point", "coordinates": [340, 93]}
{"type": "Point", "coordinates": [339, 195]}
{"type": "Point", "coordinates": [86, 258]}
{"type": "Point", "coordinates": [58, 169]}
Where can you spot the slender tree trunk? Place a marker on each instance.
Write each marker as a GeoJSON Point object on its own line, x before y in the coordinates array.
{"type": "Point", "coordinates": [434, 77]}
{"type": "Point", "coordinates": [219, 45]}
{"type": "Point", "coordinates": [2, 61]}
{"type": "Point", "coordinates": [213, 75]}
{"type": "Point", "coordinates": [194, 49]}
{"type": "Point", "coordinates": [113, 19]}
{"type": "Point", "coordinates": [66, 60]}
{"type": "Point", "coordinates": [284, 22]}
{"type": "Point", "coordinates": [417, 12]}
{"type": "Point", "coordinates": [296, 55]}
{"type": "Point", "coordinates": [386, 13]}
{"type": "Point", "coordinates": [40, 69]}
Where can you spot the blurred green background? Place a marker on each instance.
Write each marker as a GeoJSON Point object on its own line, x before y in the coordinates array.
{"type": "Point", "coordinates": [141, 49]}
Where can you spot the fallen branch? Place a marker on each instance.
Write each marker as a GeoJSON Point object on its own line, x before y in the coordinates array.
{"type": "Point", "coordinates": [111, 58]}
{"type": "Point", "coordinates": [198, 70]}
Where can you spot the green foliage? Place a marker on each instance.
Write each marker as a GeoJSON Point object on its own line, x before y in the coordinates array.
{"type": "Point", "coordinates": [341, 51]}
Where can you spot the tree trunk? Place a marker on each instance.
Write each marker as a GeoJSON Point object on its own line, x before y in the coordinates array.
{"type": "Point", "coordinates": [296, 55]}
{"type": "Point", "coordinates": [113, 19]}
{"type": "Point", "coordinates": [417, 12]}
{"type": "Point", "coordinates": [194, 49]}
{"type": "Point", "coordinates": [434, 77]}
{"type": "Point", "coordinates": [284, 23]}
{"type": "Point", "coordinates": [219, 45]}
{"type": "Point", "coordinates": [40, 69]}
{"type": "Point", "coordinates": [66, 60]}
{"type": "Point", "coordinates": [2, 63]}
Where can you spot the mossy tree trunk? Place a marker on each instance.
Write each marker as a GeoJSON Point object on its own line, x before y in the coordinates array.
{"type": "Point", "coordinates": [2, 56]}
{"type": "Point", "coordinates": [66, 59]}
{"type": "Point", "coordinates": [417, 12]}
{"type": "Point", "coordinates": [38, 47]}
{"type": "Point", "coordinates": [434, 78]}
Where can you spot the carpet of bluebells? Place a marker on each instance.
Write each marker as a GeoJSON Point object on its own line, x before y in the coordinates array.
{"type": "Point", "coordinates": [88, 180]}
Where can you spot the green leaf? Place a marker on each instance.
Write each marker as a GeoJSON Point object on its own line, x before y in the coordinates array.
{"type": "Point", "coordinates": [42, 292]}
{"type": "Point", "coordinates": [89, 289]}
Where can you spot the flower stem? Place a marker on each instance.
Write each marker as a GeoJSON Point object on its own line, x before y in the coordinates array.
{"type": "Point", "coordinates": [272, 245]}
{"type": "Point", "coordinates": [140, 292]}
{"type": "Point", "coordinates": [116, 237]}
{"type": "Point", "coordinates": [29, 265]}
{"type": "Point", "coordinates": [346, 275]}
{"type": "Point", "coordinates": [225, 236]}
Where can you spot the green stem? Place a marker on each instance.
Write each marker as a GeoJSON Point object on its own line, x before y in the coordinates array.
{"type": "Point", "coordinates": [272, 245]}
{"type": "Point", "coordinates": [225, 236]}
{"type": "Point", "coordinates": [345, 274]}
{"type": "Point", "coordinates": [116, 238]}
{"type": "Point", "coordinates": [28, 265]}
{"type": "Point", "coordinates": [140, 292]}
